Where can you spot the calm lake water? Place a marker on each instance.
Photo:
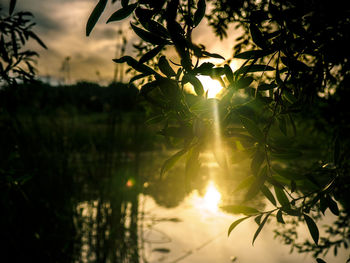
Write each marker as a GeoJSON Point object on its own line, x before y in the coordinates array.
{"type": "Point", "coordinates": [142, 219]}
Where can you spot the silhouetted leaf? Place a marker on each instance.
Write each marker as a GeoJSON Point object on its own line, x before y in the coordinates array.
{"type": "Point", "coordinates": [257, 36]}
{"type": "Point", "coordinates": [140, 76]}
{"type": "Point", "coordinates": [200, 12]}
{"type": "Point", "coordinates": [336, 153]}
{"type": "Point", "coordinates": [148, 36]}
{"type": "Point", "coordinates": [243, 82]}
{"type": "Point", "coordinates": [171, 161]}
{"type": "Point", "coordinates": [281, 197]}
{"type": "Point", "coordinates": [165, 68]}
{"type": "Point", "coordinates": [268, 194]}
{"type": "Point", "coordinates": [257, 161]}
{"type": "Point", "coordinates": [320, 260]}
{"type": "Point", "coordinates": [122, 13]}
{"type": "Point", "coordinates": [150, 54]}
{"type": "Point", "coordinates": [312, 228]}
{"type": "Point", "coordinates": [253, 54]}
{"type": "Point", "coordinates": [135, 65]}
{"type": "Point", "coordinates": [228, 73]}
{"type": "Point", "coordinates": [260, 227]}
{"type": "Point", "coordinates": [197, 85]}
{"type": "Point", "coordinates": [37, 39]}
{"type": "Point", "coordinates": [12, 6]}
{"type": "Point", "coordinates": [264, 86]}
{"type": "Point", "coordinates": [240, 209]}
{"type": "Point", "coordinates": [213, 55]}
{"type": "Point", "coordinates": [332, 206]}
{"type": "Point", "coordinates": [95, 15]}
{"type": "Point", "coordinates": [252, 128]}
{"type": "Point", "coordinates": [235, 223]}
{"type": "Point", "coordinates": [253, 68]}
{"type": "Point", "coordinates": [124, 3]}
{"type": "Point", "coordinates": [279, 217]}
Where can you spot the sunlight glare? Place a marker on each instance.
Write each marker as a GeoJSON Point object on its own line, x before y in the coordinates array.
{"type": "Point", "coordinates": [210, 201]}
{"type": "Point", "coordinates": [211, 85]}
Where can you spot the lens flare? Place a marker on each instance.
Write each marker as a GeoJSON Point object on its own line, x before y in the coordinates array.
{"type": "Point", "coordinates": [212, 86]}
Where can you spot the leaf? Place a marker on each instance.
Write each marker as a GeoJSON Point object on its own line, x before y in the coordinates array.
{"type": "Point", "coordinates": [12, 6]}
{"type": "Point", "coordinates": [243, 82]}
{"type": "Point", "coordinates": [148, 36]}
{"type": "Point", "coordinates": [332, 206]}
{"type": "Point", "coordinates": [200, 12]}
{"type": "Point", "coordinates": [268, 194]}
{"type": "Point", "coordinates": [282, 125]}
{"type": "Point", "coordinates": [171, 162]}
{"type": "Point", "coordinates": [124, 3]}
{"type": "Point", "coordinates": [150, 54]}
{"type": "Point", "coordinates": [235, 223]}
{"type": "Point", "coordinates": [264, 86]}
{"type": "Point", "coordinates": [136, 65]}
{"type": "Point", "coordinates": [245, 183]}
{"type": "Point", "coordinates": [293, 186]}
{"type": "Point", "coordinates": [286, 155]}
{"type": "Point", "coordinates": [197, 85]}
{"type": "Point", "coordinates": [279, 217]}
{"type": "Point", "coordinates": [257, 36]}
{"type": "Point", "coordinates": [256, 185]}
{"type": "Point", "coordinates": [165, 68]}
{"type": "Point", "coordinates": [336, 153]}
{"type": "Point", "coordinates": [257, 161]}
{"type": "Point", "coordinates": [252, 129]}
{"type": "Point", "coordinates": [134, 78]}
{"type": "Point", "coordinates": [281, 197]}
{"type": "Point", "coordinates": [320, 260]}
{"type": "Point", "coordinates": [122, 13]}
{"type": "Point", "coordinates": [312, 228]}
{"type": "Point", "coordinates": [253, 68]}
{"type": "Point", "coordinates": [257, 219]}
{"type": "Point", "coordinates": [228, 73]}
{"type": "Point", "coordinates": [95, 15]}
{"type": "Point", "coordinates": [37, 39]}
{"type": "Point", "coordinates": [253, 54]}
{"type": "Point", "coordinates": [260, 227]}
{"type": "Point", "coordinates": [240, 209]}
{"type": "Point", "coordinates": [213, 55]}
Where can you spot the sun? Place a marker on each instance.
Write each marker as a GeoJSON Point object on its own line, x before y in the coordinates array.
{"type": "Point", "coordinates": [212, 86]}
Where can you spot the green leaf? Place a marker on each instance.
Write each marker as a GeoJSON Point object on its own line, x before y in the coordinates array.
{"type": "Point", "coordinates": [165, 68]}
{"type": "Point", "coordinates": [240, 209]}
{"type": "Point", "coordinates": [200, 12]}
{"type": "Point", "coordinates": [95, 15]}
{"type": "Point", "coordinates": [235, 223]}
{"type": "Point", "coordinates": [257, 161]}
{"type": "Point", "coordinates": [150, 54]}
{"type": "Point", "coordinates": [257, 36]}
{"type": "Point", "coordinates": [122, 13]}
{"type": "Point", "coordinates": [243, 82]}
{"type": "Point", "coordinates": [253, 68]}
{"type": "Point", "coordinates": [252, 129]}
{"type": "Point", "coordinates": [282, 125]}
{"type": "Point", "coordinates": [256, 185]}
{"type": "Point", "coordinates": [286, 155]}
{"type": "Point", "coordinates": [279, 217]}
{"type": "Point", "coordinates": [171, 161]}
{"type": "Point", "coordinates": [12, 6]}
{"type": "Point", "coordinates": [268, 194]}
{"type": "Point", "coordinates": [253, 54]}
{"type": "Point", "coordinates": [260, 227]}
{"type": "Point", "coordinates": [257, 219]}
{"type": "Point", "coordinates": [228, 73]}
{"type": "Point", "coordinates": [245, 183]}
{"type": "Point", "coordinates": [148, 36]}
{"type": "Point", "coordinates": [320, 260]}
{"type": "Point", "coordinates": [281, 197]}
{"type": "Point", "coordinates": [312, 228]}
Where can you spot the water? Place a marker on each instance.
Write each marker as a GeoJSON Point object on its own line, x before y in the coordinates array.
{"type": "Point", "coordinates": [156, 221]}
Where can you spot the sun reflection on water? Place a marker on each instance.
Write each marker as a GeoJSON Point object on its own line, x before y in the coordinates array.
{"type": "Point", "coordinates": [211, 199]}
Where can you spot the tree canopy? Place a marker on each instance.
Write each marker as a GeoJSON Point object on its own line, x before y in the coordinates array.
{"type": "Point", "coordinates": [284, 109]}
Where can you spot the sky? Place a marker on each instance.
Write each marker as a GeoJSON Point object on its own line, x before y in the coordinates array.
{"type": "Point", "coordinates": [61, 25]}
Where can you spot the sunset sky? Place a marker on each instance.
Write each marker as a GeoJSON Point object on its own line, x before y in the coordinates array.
{"type": "Point", "coordinates": [61, 25]}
